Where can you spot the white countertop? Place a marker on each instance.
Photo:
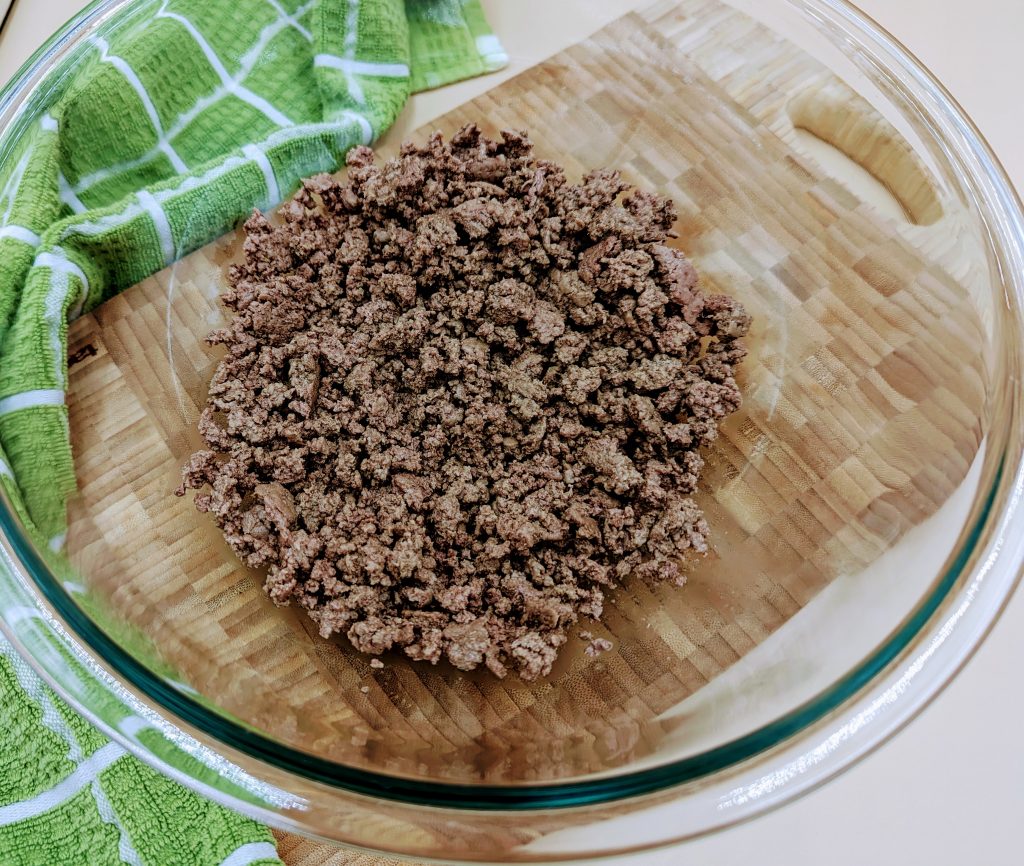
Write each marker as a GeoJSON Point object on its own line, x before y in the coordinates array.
{"type": "Point", "coordinates": [949, 789]}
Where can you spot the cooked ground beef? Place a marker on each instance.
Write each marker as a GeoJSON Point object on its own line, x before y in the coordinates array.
{"type": "Point", "coordinates": [462, 398]}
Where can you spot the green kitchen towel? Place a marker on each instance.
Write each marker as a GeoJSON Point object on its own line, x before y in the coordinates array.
{"type": "Point", "coordinates": [179, 118]}
{"type": "Point", "coordinates": [70, 797]}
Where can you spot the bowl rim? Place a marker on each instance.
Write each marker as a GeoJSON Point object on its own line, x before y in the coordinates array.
{"type": "Point", "coordinates": [983, 571]}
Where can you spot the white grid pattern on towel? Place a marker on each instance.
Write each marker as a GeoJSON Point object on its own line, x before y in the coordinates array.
{"type": "Point", "coordinates": [233, 86]}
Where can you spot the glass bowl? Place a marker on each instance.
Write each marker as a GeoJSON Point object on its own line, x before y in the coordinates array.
{"type": "Point", "coordinates": [864, 503]}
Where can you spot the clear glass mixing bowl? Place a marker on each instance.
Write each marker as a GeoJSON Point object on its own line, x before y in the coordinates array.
{"type": "Point", "coordinates": [864, 503]}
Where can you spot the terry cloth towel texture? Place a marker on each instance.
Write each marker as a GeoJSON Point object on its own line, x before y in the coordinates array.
{"type": "Point", "coordinates": [177, 120]}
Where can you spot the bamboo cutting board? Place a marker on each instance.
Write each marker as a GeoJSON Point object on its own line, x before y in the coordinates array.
{"type": "Point", "coordinates": [863, 398]}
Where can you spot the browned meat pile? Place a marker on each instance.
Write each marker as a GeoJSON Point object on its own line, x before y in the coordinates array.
{"type": "Point", "coordinates": [462, 398]}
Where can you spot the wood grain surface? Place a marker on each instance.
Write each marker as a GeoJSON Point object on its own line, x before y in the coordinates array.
{"type": "Point", "coordinates": [862, 413]}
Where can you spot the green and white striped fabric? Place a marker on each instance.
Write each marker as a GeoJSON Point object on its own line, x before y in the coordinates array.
{"type": "Point", "coordinates": [179, 118]}
{"type": "Point", "coordinates": [73, 798]}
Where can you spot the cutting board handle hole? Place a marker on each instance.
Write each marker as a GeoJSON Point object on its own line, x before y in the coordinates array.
{"type": "Point", "coordinates": [853, 144]}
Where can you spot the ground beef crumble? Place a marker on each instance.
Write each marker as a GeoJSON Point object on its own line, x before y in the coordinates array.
{"type": "Point", "coordinates": [462, 398]}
